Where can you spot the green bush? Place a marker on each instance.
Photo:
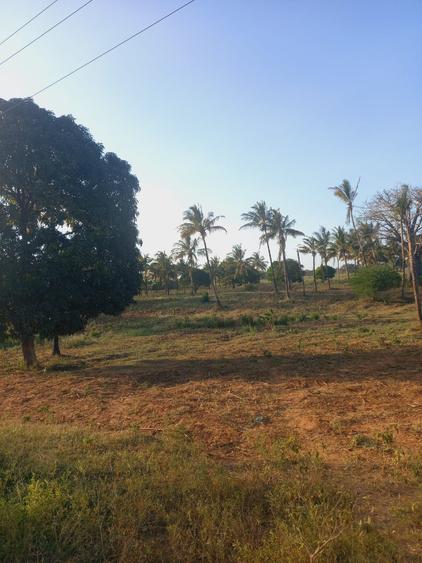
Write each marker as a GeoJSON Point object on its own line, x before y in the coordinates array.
{"type": "Point", "coordinates": [368, 282]}
{"type": "Point", "coordinates": [325, 272]}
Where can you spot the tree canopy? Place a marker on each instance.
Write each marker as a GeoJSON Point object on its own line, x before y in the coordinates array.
{"type": "Point", "coordinates": [68, 235]}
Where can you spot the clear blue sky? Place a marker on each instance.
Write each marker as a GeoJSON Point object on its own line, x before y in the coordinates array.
{"type": "Point", "coordinates": [232, 101]}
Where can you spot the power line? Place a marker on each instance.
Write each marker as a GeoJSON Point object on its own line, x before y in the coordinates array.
{"type": "Point", "coordinates": [103, 54]}
{"type": "Point", "coordinates": [45, 33]}
{"type": "Point", "coordinates": [27, 23]}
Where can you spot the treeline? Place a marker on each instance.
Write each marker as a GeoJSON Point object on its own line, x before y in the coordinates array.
{"type": "Point", "coordinates": [386, 234]}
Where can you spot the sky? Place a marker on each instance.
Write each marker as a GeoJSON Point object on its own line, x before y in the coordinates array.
{"type": "Point", "coordinates": [233, 101]}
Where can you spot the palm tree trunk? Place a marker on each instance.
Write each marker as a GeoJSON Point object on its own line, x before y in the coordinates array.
{"type": "Point", "coordinates": [346, 267]}
{"type": "Point", "coordinates": [211, 275]}
{"type": "Point", "coordinates": [286, 273]}
{"type": "Point", "coordinates": [303, 277]}
{"type": "Point", "coordinates": [314, 273]}
{"type": "Point", "coordinates": [328, 276]}
{"type": "Point", "coordinates": [192, 288]}
{"type": "Point", "coordinates": [413, 270]}
{"type": "Point", "coordinates": [362, 255]}
{"type": "Point", "coordinates": [271, 261]}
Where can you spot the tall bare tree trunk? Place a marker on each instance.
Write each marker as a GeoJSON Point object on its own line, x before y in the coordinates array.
{"type": "Point", "coordinates": [301, 273]}
{"type": "Point", "coordinates": [347, 267]}
{"type": "Point", "coordinates": [271, 262]}
{"type": "Point", "coordinates": [362, 254]}
{"type": "Point", "coordinates": [211, 275]}
{"type": "Point", "coordinates": [414, 272]}
{"type": "Point", "coordinates": [28, 351]}
{"type": "Point", "coordinates": [403, 259]}
{"type": "Point", "coordinates": [328, 275]}
{"type": "Point", "coordinates": [286, 273]}
{"type": "Point", "coordinates": [314, 273]}
{"type": "Point", "coordinates": [56, 346]}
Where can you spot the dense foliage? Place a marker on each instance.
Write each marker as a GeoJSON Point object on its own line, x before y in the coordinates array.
{"type": "Point", "coordinates": [371, 280]}
{"type": "Point", "coordinates": [68, 236]}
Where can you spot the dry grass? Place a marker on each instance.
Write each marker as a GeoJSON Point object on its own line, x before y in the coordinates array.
{"type": "Point", "coordinates": [341, 375]}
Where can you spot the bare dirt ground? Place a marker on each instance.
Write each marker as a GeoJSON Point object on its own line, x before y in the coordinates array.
{"type": "Point", "coordinates": [346, 382]}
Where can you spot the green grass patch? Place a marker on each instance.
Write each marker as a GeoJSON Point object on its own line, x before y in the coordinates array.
{"type": "Point", "coordinates": [81, 497]}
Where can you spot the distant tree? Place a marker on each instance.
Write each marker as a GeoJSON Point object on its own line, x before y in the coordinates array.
{"type": "Point", "coordinates": [340, 246]}
{"type": "Point", "coordinates": [68, 236]}
{"type": "Point", "coordinates": [196, 222]}
{"type": "Point", "coordinates": [325, 273]}
{"type": "Point", "coordinates": [258, 262]}
{"type": "Point", "coordinates": [145, 263]}
{"type": "Point", "coordinates": [164, 271]}
{"type": "Point", "coordinates": [310, 246]}
{"type": "Point", "coordinates": [281, 228]}
{"type": "Point", "coordinates": [238, 255]}
{"type": "Point", "coordinates": [347, 195]}
{"type": "Point", "coordinates": [260, 217]}
{"type": "Point", "coordinates": [322, 241]}
{"type": "Point", "coordinates": [294, 271]}
{"type": "Point", "coordinates": [201, 278]}
{"type": "Point", "coordinates": [187, 249]}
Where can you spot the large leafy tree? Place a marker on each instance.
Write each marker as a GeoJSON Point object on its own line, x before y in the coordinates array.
{"type": "Point", "coordinates": [68, 236]}
{"type": "Point", "coordinates": [197, 223]}
{"type": "Point", "coordinates": [281, 228]}
{"type": "Point", "coordinates": [260, 217]}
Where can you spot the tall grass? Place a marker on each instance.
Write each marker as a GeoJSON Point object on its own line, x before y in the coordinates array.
{"type": "Point", "coordinates": [68, 495]}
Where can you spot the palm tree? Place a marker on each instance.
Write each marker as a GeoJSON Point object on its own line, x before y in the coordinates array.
{"type": "Point", "coordinates": [347, 195]}
{"type": "Point", "coordinates": [196, 222]}
{"type": "Point", "coordinates": [186, 249]}
{"type": "Point", "coordinates": [340, 246]}
{"type": "Point", "coordinates": [282, 227]}
{"type": "Point", "coordinates": [238, 255]}
{"type": "Point", "coordinates": [257, 262]}
{"type": "Point", "coordinates": [323, 239]}
{"type": "Point", "coordinates": [163, 269]}
{"type": "Point", "coordinates": [260, 217]}
{"type": "Point", "coordinates": [310, 246]}
{"type": "Point", "coordinates": [145, 262]}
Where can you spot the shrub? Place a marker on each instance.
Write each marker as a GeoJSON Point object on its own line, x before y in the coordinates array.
{"type": "Point", "coordinates": [205, 297]}
{"type": "Point", "coordinates": [368, 282]}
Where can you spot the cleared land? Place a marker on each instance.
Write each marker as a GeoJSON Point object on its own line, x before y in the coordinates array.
{"type": "Point", "coordinates": [333, 383]}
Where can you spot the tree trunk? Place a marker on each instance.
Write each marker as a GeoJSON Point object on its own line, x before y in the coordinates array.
{"type": "Point", "coordinates": [28, 351]}
{"type": "Point", "coordinates": [302, 275]}
{"type": "Point", "coordinates": [413, 270]}
{"type": "Point", "coordinates": [271, 262]}
{"type": "Point", "coordinates": [362, 255]}
{"type": "Point", "coordinates": [313, 270]}
{"type": "Point", "coordinates": [286, 274]}
{"type": "Point", "coordinates": [403, 260]}
{"type": "Point", "coordinates": [211, 276]}
{"type": "Point", "coordinates": [192, 287]}
{"type": "Point", "coordinates": [347, 267]}
{"type": "Point", "coordinates": [56, 346]}
{"type": "Point", "coordinates": [328, 275]}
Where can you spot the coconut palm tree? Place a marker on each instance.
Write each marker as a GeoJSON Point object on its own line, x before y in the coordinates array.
{"type": "Point", "coordinates": [260, 217]}
{"type": "Point", "coordinates": [347, 195]}
{"type": "Point", "coordinates": [163, 269]}
{"type": "Point", "coordinates": [238, 255]}
{"type": "Point", "coordinates": [282, 227]}
{"type": "Point", "coordinates": [323, 239]}
{"type": "Point", "coordinates": [340, 246]}
{"type": "Point", "coordinates": [186, 249]}
{"type": "Point", "coordinates": [145, 261]}
{"type": "Point", "coordinates": [197, 223]}
{"type": "Point", "coordinates": [309, 246]}
{"type": "Point", "coordinates": [257, 262]}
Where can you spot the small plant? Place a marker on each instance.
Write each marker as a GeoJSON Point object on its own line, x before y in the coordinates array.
{"type": "Point", "coordinates": [370, 281]}
{"type": "Point", "coordinates": [251, 287]}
